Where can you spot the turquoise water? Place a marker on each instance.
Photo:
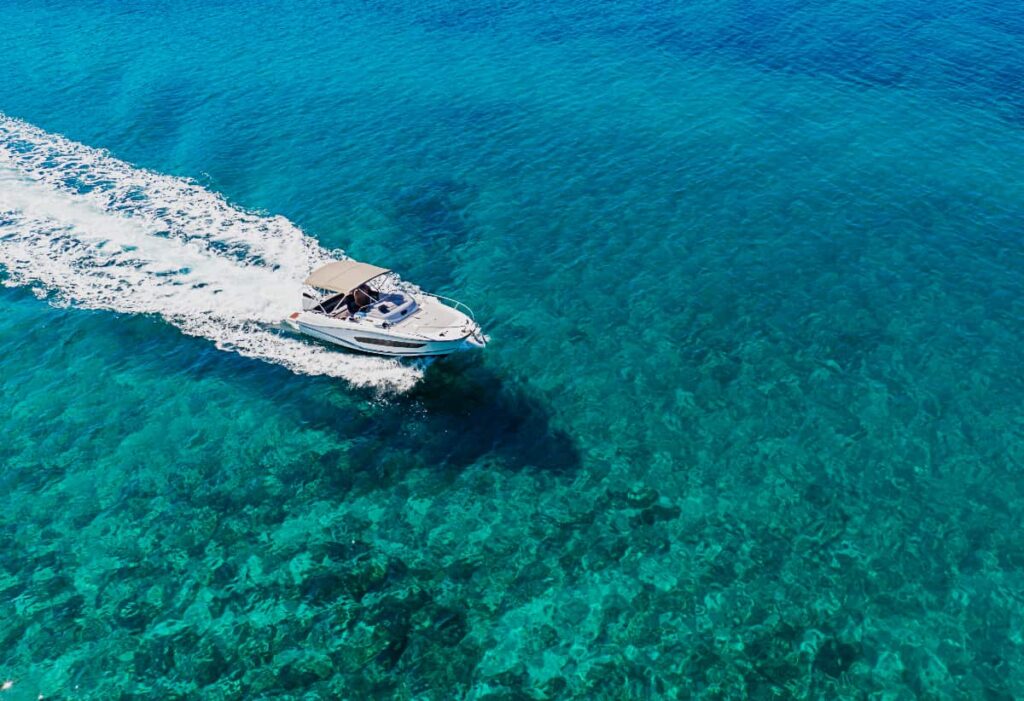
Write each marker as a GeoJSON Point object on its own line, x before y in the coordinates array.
{"type": "Point", "coordinates": [749, 426]}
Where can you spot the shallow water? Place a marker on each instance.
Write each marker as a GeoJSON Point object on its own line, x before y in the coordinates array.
{"type": "Point", "coordinates": [749, 425]}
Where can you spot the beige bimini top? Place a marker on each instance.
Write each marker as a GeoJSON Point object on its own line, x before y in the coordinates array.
{"type": "Point", "coordinates": [343, 275]}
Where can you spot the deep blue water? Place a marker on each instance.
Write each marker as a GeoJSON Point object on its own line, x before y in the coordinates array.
{"type": "Point", "coordinates": [750, 424]}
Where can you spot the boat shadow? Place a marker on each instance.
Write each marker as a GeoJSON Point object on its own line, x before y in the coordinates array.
{"type": "Point", "coordinates": [461, 414]}
{"type": "Point", "coordinates": [494, 414]}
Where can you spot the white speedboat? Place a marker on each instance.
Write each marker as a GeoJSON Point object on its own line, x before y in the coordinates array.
{"type": "Point", "coordinates": [365, 308]}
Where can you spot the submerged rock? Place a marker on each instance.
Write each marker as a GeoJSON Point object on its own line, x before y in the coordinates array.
{"type": "Point", "coordinates": [134, 616]}
{"type": "Point", "coordinates": [836, 657]}
{"type": "Point", "coordinates": [641, 496]}
{"type": "Point", "coordinates": [449, 626]}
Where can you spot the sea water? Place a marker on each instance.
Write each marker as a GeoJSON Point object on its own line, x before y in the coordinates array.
{"type": "Point", "coordinates": [749, 424]}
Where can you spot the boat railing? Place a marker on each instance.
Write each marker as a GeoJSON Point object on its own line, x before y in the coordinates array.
{"type": "Point", "coordinates": [455, 303]}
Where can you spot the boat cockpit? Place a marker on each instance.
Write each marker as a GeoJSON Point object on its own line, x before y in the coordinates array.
{"type": "Point", "coordinates": [364, 301]}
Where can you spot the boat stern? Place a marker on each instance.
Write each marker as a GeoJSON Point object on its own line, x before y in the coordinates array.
{"type": "Point", "coordinates": [292, 321]}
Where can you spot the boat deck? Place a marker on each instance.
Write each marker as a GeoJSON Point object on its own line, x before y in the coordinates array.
{"type": "Point", "coordinates": [432, 319]}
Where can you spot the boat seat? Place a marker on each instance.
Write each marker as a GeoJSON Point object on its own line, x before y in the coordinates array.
{"type": "Point", "coordinates": [392, 307]}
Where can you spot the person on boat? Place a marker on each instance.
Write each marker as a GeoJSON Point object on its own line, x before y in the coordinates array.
{"type": "Point", "coordinates": [363, 296]}
{"type": "Point", "coordinates": [350, 304]}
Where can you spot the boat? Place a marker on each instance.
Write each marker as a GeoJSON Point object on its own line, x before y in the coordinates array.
{"type": "Point", "coordinates": [367, 308]}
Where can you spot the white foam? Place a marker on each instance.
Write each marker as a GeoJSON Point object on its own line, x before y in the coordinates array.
{"type": "Point", "coordinates": [95, 232]}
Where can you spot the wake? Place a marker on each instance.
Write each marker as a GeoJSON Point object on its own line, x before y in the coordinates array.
{"type": "Point", "coordinates": [90, 231]}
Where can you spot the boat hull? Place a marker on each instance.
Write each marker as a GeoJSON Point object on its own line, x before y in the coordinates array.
{"type": "Point", "coordinates": [367, 339]}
